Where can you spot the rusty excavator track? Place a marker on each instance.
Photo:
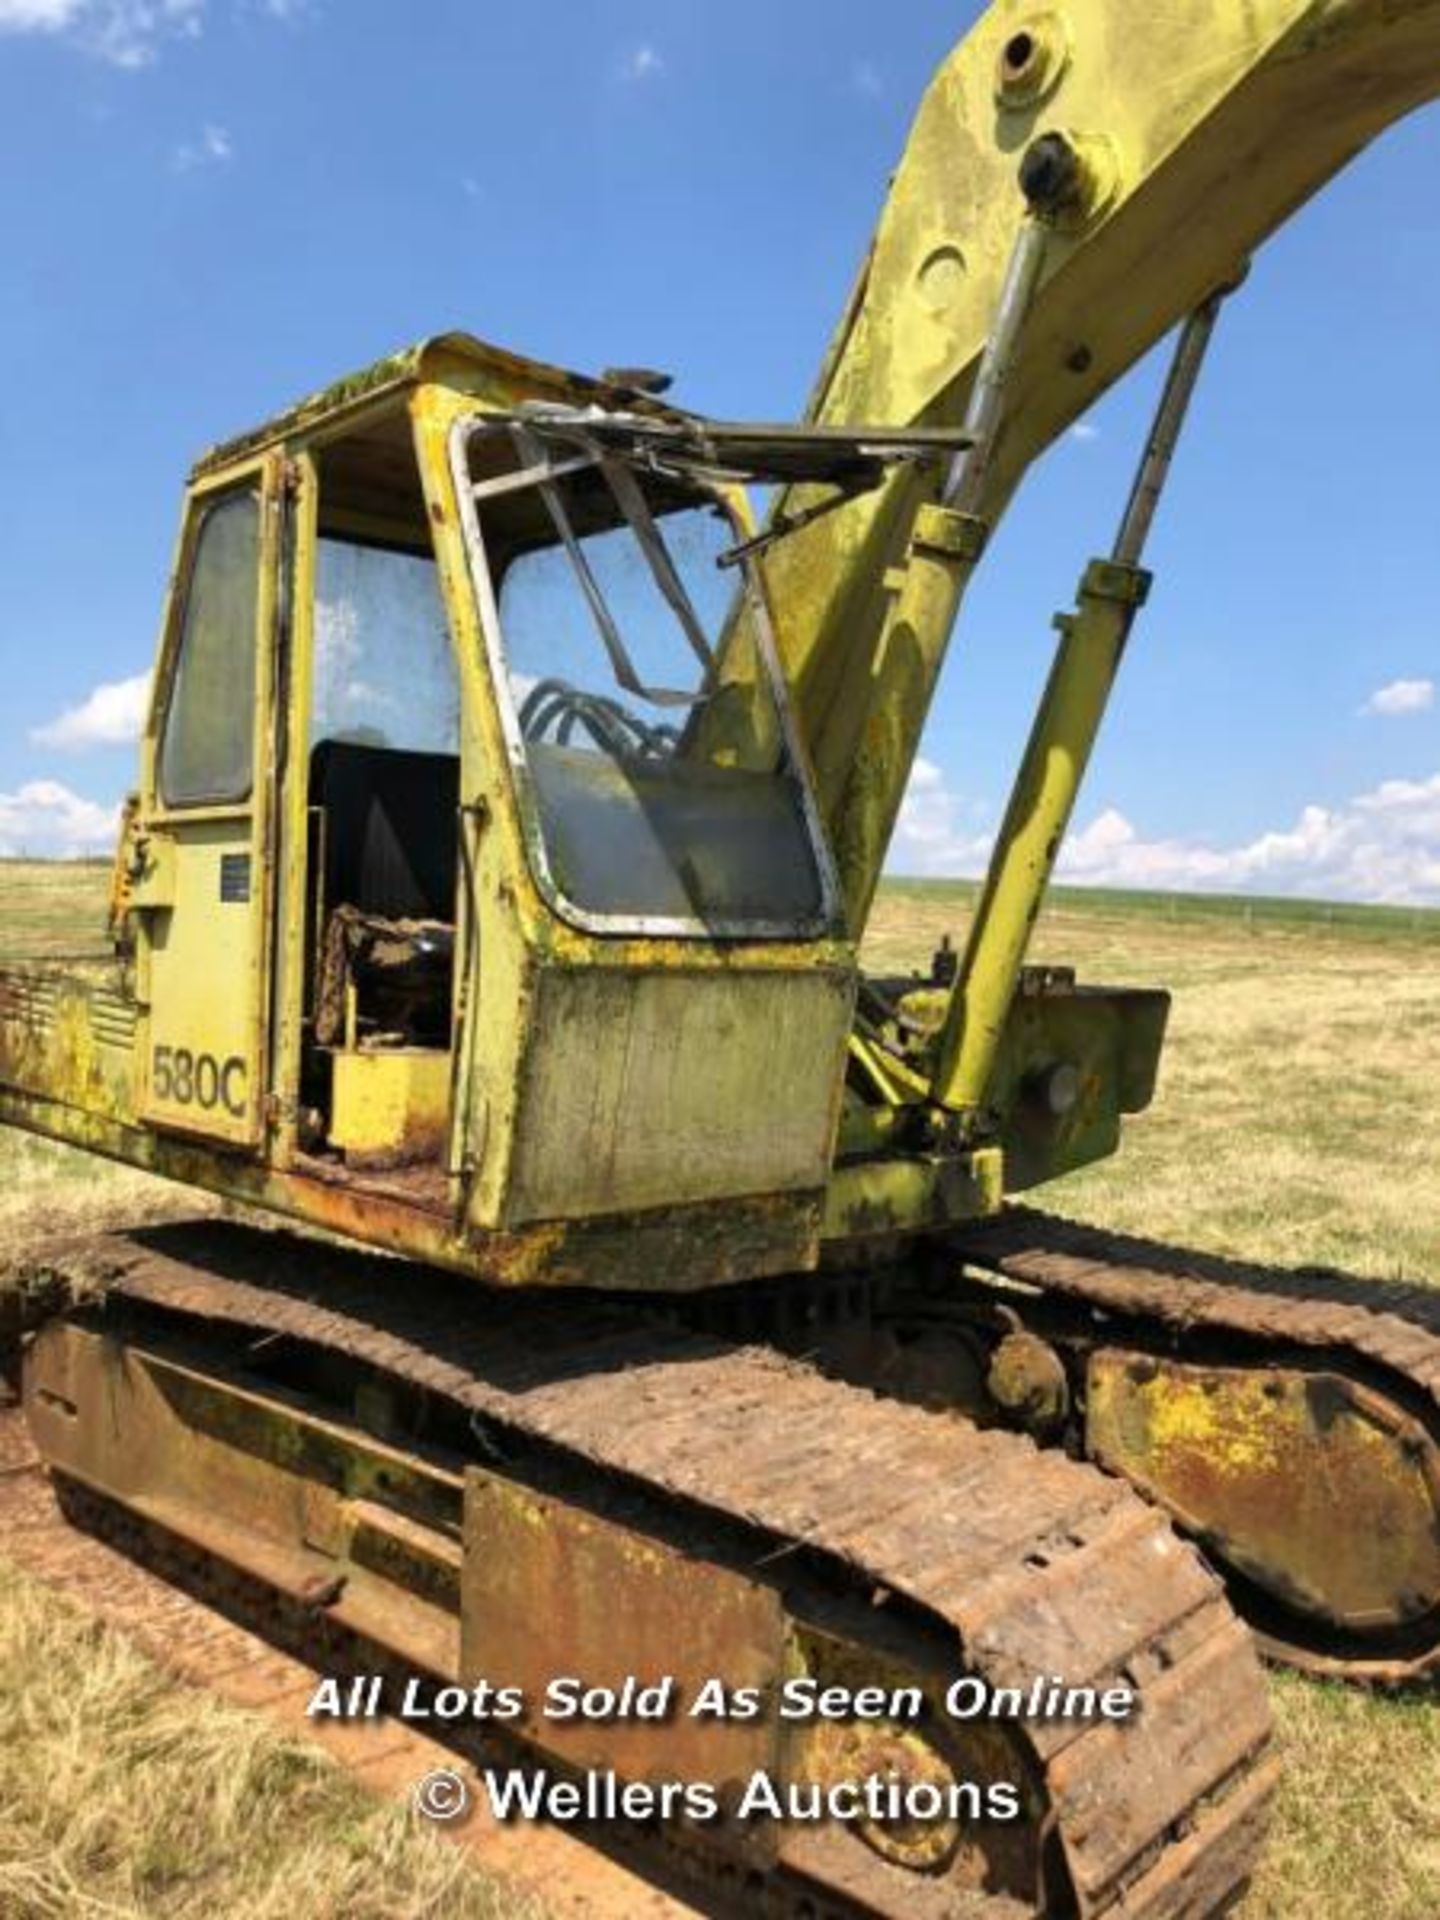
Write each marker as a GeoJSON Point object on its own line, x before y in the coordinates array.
{"type": "Point", "coordinates": [335, 1425]}
{"type": "Point", "coordinates": [1250, 1401]}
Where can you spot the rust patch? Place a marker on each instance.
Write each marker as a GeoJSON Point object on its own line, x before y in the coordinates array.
{"type": "Point", "coordinates": [1266, 1465]}
{"type": "Point", "coordinates": [617, 1605]}
{"type": "Point", "coordinates": [1317, 1478]}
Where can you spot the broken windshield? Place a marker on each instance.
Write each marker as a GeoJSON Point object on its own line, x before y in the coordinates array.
{"type": "Point", "coordinates": [646, 721]}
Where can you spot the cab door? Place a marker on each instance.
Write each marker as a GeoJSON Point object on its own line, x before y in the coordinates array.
{"type": "Point", "coordinates": [207, 807]}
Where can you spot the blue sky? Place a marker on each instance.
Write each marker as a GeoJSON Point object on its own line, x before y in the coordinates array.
{"type": "Point", "coordinates": [212, 206]}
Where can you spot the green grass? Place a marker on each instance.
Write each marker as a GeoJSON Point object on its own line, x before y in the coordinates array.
{"type": "Point", "coordinates": [1250, 910]}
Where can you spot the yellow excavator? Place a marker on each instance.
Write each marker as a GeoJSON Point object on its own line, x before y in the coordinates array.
{"type": "Point", "coordinates": [510, 809]}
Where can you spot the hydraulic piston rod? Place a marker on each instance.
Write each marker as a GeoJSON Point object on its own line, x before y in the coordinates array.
{"type": "Point", "coordinates": [965, 484]}
{"type": "Point", "coordinates": [945, 547]}
{"type": "Point", "coordinates": [1092, 640]}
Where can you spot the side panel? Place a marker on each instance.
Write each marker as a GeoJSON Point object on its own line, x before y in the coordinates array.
{"type": "Point", "coordinates": [202, 1071]}
{"type": "Point", "coordinates": [1071, 1063]}
{"type": "Point", "coordinates": [68, 1039]}
{"type": "Point", "coordinates": [684, 1621]}
{"type": "Point", "coordinates": [666, 1088]}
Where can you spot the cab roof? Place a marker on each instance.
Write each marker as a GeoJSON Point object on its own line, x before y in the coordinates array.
{"type": "Point", "coordinates": [851, 458]}
{"type": "Point", "coordinates": [447, 359]}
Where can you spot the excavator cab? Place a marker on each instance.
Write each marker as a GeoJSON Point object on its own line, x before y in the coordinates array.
{"type": "Point", "coordinates": [478, 899]}
{"type": "Point", "coordinates": [476, 868]}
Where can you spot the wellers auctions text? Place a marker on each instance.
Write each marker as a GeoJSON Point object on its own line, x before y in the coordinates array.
{"type": "Point", "coordinates": [885, 1793]}
{"type": "Point", "coordinates": [603, 1797]}
{"type": "Point", "coordinates": [660, 1700]}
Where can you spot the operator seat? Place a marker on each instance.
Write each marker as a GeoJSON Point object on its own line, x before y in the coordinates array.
{"type": "Point", "coordinates": [391, 842]}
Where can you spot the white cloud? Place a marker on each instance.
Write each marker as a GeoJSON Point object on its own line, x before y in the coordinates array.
{"type": "Point", "coordinates": [46, 820]}
{"type": "Point", "coordinates": [931, 836]}
{"type": "Point", "coordinates": [1401, 696]}
{"type": "Point", "coordinates": [1084, 430]}
{"type": "Point", "coordinates": [37, 16]}
{"type": "Point", "coordinates": [1383, 845]}
{"type": "Point", "coordinates": [127, 33]}
{"type": "Point", "coordinates": [642, 63]}
{"type": "Point", "coordinates": [110, 716]}
{"type": "Point", "coordinates": [212, 149]}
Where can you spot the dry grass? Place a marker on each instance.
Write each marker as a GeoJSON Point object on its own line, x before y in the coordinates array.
{"type": "Point", "coordinates": [50, 908]}
{"type": "Point", "coordinates": [1298, 1079]}
{"type": "Point", "coordinates": [124, 1795]}
{"type": "Point", "coordinates": [1358, 1831]}
{"type": "Point", "coordinates": [1294, 1122]}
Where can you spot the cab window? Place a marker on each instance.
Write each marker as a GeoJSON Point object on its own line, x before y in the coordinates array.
{"type": "Point", "coordinates": [208, 751]}
{"type": "Point", "coordinates": [645, 713]}
{"type": "Point", "coordinates": [384, 674]}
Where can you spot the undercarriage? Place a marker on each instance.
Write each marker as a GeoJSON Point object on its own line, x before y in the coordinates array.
{"type": "Point", "coordinates": [670, 1503]}
{"type": "Point", "coordinates": [1288, 1421]}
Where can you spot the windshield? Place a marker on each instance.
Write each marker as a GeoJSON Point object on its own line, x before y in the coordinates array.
{"type": "Point", "coordinates": [645, 718]}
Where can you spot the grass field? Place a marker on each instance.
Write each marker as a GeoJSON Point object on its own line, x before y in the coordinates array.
{"type": "Point", "coordinates": [1295, 1121]}
{"type": "Point", "coordinates": [122, 1794]}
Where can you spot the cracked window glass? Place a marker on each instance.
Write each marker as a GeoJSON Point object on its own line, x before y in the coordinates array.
{"type": "Point", "coordinates": [661, 786]}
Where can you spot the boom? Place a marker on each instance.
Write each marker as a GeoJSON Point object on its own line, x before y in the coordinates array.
{"type": "Point", "coordinates": [1199, 127]}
